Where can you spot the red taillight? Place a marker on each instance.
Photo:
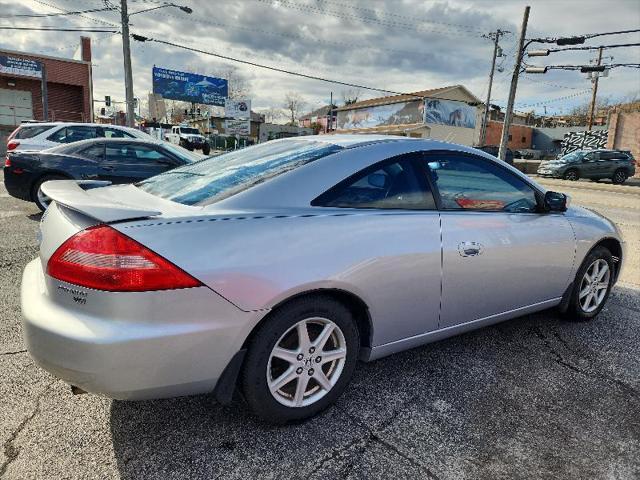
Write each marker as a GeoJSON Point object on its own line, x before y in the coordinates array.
{"type": "Point", "coordinates": [12, 145]}
{"type": "Point", "coordinates": [102, 258]}
{"type": "Point", "coordinates": [7, 161]}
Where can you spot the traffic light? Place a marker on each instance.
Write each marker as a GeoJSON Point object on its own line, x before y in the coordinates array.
{"type": "Point", "coordinates": [107, 100]}
{"type": "Point", "coordinates": [103, 111]}
{"type": "Point", "coordinates": [198, 111]}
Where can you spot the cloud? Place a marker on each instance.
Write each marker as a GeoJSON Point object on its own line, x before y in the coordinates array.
{"type": "Point", "coordinates": [400, 45]}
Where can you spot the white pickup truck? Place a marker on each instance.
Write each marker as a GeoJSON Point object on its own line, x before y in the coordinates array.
{"type": "Point", "coordinates": [189, 138]}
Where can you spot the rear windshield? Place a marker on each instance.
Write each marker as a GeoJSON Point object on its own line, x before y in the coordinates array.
{"type": "Point", "coordinates": [217, 178]}
{"type": "Point", "coordinates": [30, 131]}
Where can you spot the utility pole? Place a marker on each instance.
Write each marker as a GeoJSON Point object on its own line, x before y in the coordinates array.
{"type": "Point", "coordinates": [128, 74]}
{"type": "Point", "coordinates": [485, 115]}
{"type": "Point", "coordinates": [508, 114]}
{"type": "Point", "coordinates": [45, 95]}
{"type": "Point", "coordinates": [594, 88]}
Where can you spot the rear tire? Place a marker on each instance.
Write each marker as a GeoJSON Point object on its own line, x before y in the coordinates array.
{"type": "Point", "coordinates": [589, 297]}
{"type": "Point", "coordinates": [571, 175]}
{"type": "Point", "coordinates": [619, 176]}
{"type": "Point", "coordinates": [315, 382]}
{"type": "Point", "coordinates": [39, 198]}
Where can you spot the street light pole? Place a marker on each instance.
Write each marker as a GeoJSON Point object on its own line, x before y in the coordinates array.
{"type": "Point", "coordinates": [128, 74]}
{"type": "Point", "coordinates": [508, 115]}
{"type": "Point", "coordinates": [485, 114]}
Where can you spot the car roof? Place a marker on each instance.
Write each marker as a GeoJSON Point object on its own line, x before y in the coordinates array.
{"type": "Point", "coordinates": [73, 124]}
{"type": "Point", "coordinates": [89, 141]}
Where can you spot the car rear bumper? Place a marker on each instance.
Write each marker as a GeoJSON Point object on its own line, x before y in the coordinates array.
{"type": "Point", "coordinates": [147, 345]}
{"type": "Point", "coordinates": [18, 185]}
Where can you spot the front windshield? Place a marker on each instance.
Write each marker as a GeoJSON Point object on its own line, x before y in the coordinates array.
{"type": "Point", "coordinates": [217, 178]}
{"type": "Point", "coordinates": [571, 157]}
{"type": "Point", "coordinates": [183, 153]}
{"type": "Point", "coordinates": [189, 130]}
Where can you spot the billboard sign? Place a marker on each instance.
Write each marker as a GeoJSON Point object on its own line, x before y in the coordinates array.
{"type": "Point", "coordinates": [238, 109]}
{"type": "Point", "coordinates": [189, 87]}
{"type": "Point", "coordinates": [237, 127]}
{"type": "Point", "coordinates": [11, 65]}
{"type": "Point", "coordinates": [449, 112]}
{"type": "Point", "coordinates": [381, 115]}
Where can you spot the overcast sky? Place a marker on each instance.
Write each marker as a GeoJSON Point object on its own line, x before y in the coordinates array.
{"type": "Point", "coordinates": [399, 45]}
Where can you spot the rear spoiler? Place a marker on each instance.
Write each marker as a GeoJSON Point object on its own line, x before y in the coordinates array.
{"type": "Point", "coordinates": [99, 205]}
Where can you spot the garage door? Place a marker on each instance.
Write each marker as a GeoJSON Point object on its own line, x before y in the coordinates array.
{"type": "Point", "coordinates": [15, 106]}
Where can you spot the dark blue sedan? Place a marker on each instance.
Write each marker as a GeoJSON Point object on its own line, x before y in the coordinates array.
{"type": "Point", "coordinates": [117, 160]}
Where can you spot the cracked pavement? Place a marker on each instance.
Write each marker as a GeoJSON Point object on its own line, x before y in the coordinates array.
{"type": "Point", "coordinates": [533, 397]}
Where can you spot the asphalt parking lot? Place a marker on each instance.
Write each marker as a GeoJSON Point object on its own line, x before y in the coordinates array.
{"type": "Point", "coordinates": [534, 397]}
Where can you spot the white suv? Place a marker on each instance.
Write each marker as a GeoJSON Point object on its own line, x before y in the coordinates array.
{"type": "Point", "coordinates": [40, 136]}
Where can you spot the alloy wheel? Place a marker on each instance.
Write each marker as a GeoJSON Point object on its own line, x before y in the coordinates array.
{"type": "Point", "coordinates": [594, 285]}
{"type": "Point", "coordinates": [571, 175]}
{"type": "Point", "coordinates": [306, 362]}
{"type": "Point", "coordinates": [619, 177]}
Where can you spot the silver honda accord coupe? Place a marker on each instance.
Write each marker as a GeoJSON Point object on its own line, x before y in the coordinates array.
{"type": "Point", "coordinates": [272, 270]}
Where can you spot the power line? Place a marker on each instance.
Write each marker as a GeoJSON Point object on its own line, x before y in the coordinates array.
{"type": "Point", "coordinates": [396, 15]}
{"type": "Point", "coordinates": [268, 67]}
{"type": "Point", "coordinates": [58, 29]}
{"type": "Point", "coordinates": [94, 20]}
{"type": "Point", "coordinates": [300, 37]}
{"type": "Point", "coordinates": [56, 14]}
{"type": "Point", "coordinates": [619, 32]}
{"type": "Point", "coordinates": [604, 47]}
{"type": "Point", "coordinates": [370, 20]}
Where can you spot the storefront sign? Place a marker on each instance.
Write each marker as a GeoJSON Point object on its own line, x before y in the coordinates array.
{"type": "Point", "coordinates": [237, 127]}
{"type": "Point", "coordinates": [25, 67]}
{"type": "Point", "coordinates": [237, 109]}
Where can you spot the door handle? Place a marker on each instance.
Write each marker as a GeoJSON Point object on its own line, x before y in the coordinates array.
{"type": "Point", "coordinates": [470, 249]}
{"type": "Point", "coordinates": [107, 167]}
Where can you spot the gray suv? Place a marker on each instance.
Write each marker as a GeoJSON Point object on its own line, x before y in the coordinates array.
{"type": "Point", "coordinates": [618, 165]}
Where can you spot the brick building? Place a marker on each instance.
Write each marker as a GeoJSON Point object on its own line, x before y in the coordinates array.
{"type": "Point", "coordinates": [519, 135]}
{"type": "Point", "coordinates": [69, 87]}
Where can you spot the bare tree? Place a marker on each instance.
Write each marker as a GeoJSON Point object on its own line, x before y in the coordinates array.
{"type": "Point", "coordinates": [350, 95]}
{"type": "Point", "coordinates": [293, 104]}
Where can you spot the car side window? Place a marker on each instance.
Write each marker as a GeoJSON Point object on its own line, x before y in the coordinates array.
{"type": "Point", "coordinates": [386, 185]}
{"type": "Point", "coordinates": [135, 154]}
{"type": "Point", "coordinates": [73, 134]}
{"type": "Point", "coordinates": [472, 183]}
{"type": "Point", "coordinates": [115, 133]}
{"type": "Point", "coordinates": [94, 152]}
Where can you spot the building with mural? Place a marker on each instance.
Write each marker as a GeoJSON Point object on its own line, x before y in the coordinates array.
{"type": "Point", "coordinates": [451, 114]}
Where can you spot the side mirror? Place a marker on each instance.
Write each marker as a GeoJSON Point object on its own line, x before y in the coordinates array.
{"type": "Point", "coordinates": [555, 202]}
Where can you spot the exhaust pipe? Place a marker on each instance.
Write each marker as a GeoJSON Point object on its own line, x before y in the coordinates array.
{"type": "Point", "coordinates": [77, 390]}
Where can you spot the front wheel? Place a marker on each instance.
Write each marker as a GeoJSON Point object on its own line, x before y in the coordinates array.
{"type": "Point", "coordinates": [619, 177]}
{"type": "Point", "coordinates": [571, 175]}
{"type": "Point", "coordinates": [301, 360]}
{"type": "Point", "coordinates": [592, 285]}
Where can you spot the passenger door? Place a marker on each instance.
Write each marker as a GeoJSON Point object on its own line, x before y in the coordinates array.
{"type": "Point", "coordinates": [394, 244]}
{"type": "Point", "coordinates": [130, 162]}
{"type": "Point", "coordinates": [499, 252]}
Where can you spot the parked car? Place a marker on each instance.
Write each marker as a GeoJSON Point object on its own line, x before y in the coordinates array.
{"type": "Point", "coordinates": [40, 136]}
{"type": "Point", "coordinates": [189, 138]}
{"type": "Point", "coordinates": [117, 160]}
{"type": "Point", "coordinates": [618, 165]}
{"type": "Point", "coordinates": [493, 150]}
{"type": "Point", "coordinates": [274, 268]}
